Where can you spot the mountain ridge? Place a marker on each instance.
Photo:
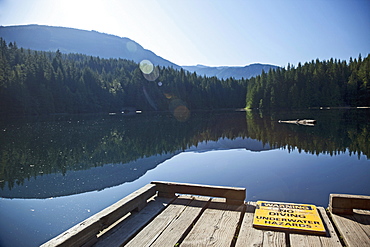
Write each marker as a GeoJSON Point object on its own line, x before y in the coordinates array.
{"type": "Point", "coordinates": [237, 72]}
{"type": "Point", "coordinates": [103, 45]}
{"type": "Point", "coordinates": [72, 40]}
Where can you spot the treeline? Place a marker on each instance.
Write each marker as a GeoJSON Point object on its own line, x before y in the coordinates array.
{"type": "Point", "coordinates": [35, 82]}
{"type": "Point", "coordinates": [335, 134]}
{"type": "Point", "coordinates": [314, 84]}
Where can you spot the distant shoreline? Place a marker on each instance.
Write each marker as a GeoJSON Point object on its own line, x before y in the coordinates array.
{"type": "Point", "coordinates": [339, 107]}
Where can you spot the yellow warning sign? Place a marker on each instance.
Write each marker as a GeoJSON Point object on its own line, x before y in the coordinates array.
{"type": "Point", "coordinates": [288, 216]}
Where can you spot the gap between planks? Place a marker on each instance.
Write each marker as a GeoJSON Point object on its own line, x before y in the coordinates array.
{"type": "Point", "coordinates": [168, 227]}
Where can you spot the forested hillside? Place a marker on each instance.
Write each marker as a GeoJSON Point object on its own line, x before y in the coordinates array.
{"type": "Point", "coordinates": [315, 84]}
{"type": "Point", "coordinates": [38, 82]}
{"type": "Point", "coordinates": [71, 40]}
{"type": "Point", "coordinates": [35, 82]}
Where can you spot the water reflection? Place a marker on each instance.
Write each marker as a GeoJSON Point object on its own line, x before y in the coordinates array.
{"type": "Point", "coordinates": [97, 160]}
{"type": "Point", "coordinates": [64, 155]}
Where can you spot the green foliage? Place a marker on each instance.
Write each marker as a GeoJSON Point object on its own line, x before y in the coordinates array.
{"type": "Point", "coordinates": [36, 83]}
{"type": "Point", "coordinates": [315, 84]}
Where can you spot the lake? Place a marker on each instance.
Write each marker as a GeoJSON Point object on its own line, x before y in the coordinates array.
{"type": "Point", "coordinates": [56, 171]}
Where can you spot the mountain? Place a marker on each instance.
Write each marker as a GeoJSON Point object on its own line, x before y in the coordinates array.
{"type": "Point", "coordinates": [93, 43]}
{"type": "Point", "coordinates": [225, 72]}
{"type": "Point", "coordinates": [70, 40]}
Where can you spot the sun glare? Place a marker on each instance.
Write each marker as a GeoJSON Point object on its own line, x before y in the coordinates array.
{"type": "Point", "coordinates": [84, 14]}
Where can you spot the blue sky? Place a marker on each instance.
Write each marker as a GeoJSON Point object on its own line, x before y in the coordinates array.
{"type": "Point", "coordinates": [214, 32]}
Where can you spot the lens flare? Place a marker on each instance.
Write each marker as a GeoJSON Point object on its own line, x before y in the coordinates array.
{"type": "Point", "coordinates": [153, 75]}
{"type": "Point", "coordinates": [160, 84]}
{"type": "Point", "coordinates": [181, 113]}
{"type": "Point", "coordinates": [146, 67]}
{"type": "Point", "coordinates": [150, 72]}
{"type": "Point", "coordinates": [149, 99]}
{"type": "Point", "coordinates": [179, 110]}
{"type": "Point", "coordinates": [168, 96]}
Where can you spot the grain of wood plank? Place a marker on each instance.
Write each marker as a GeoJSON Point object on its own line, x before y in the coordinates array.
{"type": "Point", "coordinates": [273, 238]}
{"type": "Point", "coordinates": [155, 228]}
{"type": "Point", "coordinates": [304, 240]}
{"type": "Point", "coordinates": [344, 204]}
{"type": "Point", "coordinates": [216, 226]}
{"type": "Point", "coordinates": [331, 239]}
{"type": "Point", "coordinates": [249, 236]}
{"type": "Point", "coordinates": [131, 225]}
{"type": "Point", "coordinates": [352, 232]}
{"type": "Point", "coordinates": [363, 219]}
{"type": "Point", "coordinates": [173, 233]}
{"type": "Point", "coordinates": [233, 195]}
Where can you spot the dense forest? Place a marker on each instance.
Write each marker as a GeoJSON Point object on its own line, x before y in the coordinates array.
{"type": "Point", "coordinates": [315, 84]}
{"type": "Point", "coordinates": [36, 82]}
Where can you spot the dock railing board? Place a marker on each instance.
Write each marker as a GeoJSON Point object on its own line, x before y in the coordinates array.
{"type": "Point", "coordinates": [233, 195]}
{"type": "Point", "coordinates": [344, 204]}
{"type": "Point", "coordinates": [351, 216]}
{"type": "Point", "coordinates": [85, 233]}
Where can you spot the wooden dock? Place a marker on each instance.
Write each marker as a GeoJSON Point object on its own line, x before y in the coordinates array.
{"type": "Point", "coordinates": [175, 214]}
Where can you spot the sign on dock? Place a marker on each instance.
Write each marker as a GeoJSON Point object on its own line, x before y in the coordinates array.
{"type": "Point", "coordinates": [302, 218]}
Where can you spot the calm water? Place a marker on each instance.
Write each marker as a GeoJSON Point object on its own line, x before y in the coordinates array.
{"type": "Point", "coordinates": [57, 171]}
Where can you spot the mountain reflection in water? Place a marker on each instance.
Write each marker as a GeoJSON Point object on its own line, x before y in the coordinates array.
{"type": "Point", "coordinates": [57, 171]}
{"type": "Point", "coordinates": [64, 155]}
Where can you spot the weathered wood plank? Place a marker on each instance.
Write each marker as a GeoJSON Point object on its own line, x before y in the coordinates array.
{"type": "Point", "coordinates": [216, 226]}
{"type": "Point", "coordinates": [344, 204]}
{"type": "Point", "coordinates": [331, 238]}
{"type": "Point", "coordinates": [249, 236]}
{"type": "Point", "coordinates": [353, 233]}
{"type": "Point", "coordinates": [363, 218]}
{"type": "Point", "coordinates": [194, 221]}
{"type": "Point", "coordinates": [350, 215]}
{"type": "Point", "coordinates": [179, 226]}
{"type": "Point", "coordinates": [154, 229]}
{"type": "Point", "coordinates": [304, 240]}
{"type": "Point", "coordinates": [233, 195]}
{"type": "Point", "coordinates": [273, 238]}
{"type": "Point", "coordinates": [131, 225]}
{"type": "Point", "coordinates": [86, 231]}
